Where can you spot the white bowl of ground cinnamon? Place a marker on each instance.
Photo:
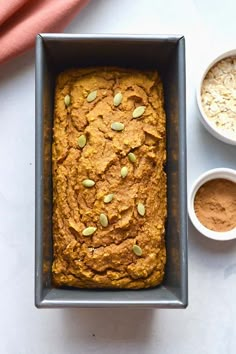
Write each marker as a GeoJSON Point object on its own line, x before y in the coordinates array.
{"type": "Point", "coordinates": [216, 97]}
{"type": "Point", "coordinates": [212, 204]}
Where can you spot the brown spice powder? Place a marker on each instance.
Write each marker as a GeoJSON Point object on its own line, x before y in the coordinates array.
{"type": "Point", "coordinates": [215, 205]}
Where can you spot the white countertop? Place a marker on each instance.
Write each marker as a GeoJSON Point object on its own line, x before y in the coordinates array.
{"type": "Point", "coordinates": [208, 325]}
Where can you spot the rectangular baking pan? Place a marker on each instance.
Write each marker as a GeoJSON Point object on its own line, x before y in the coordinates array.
{"type": "Point", "coordinates": [166, 53]}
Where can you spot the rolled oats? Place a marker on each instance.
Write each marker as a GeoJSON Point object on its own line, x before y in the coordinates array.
{"type": "Point", "coordinates": [218, 96]}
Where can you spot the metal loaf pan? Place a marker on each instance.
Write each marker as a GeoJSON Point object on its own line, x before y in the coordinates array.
{"type": "Point", "coordinates": [166, 53]}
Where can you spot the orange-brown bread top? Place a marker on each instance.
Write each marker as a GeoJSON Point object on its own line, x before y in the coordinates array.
{"type": "Point", "coordinates": [107, 258]}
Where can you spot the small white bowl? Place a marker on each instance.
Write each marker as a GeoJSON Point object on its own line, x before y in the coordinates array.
{"type": "Point", "coordinates": [203, 117]}
{"type": "Point", "coordinates": [224, 173]}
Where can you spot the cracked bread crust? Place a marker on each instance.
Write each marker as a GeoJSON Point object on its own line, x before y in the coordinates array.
{"type": "Point", "coordinates": [106, 259]}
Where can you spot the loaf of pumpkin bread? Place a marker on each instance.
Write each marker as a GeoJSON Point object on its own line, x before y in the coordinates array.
{"type": "Point", "coordinates": [109, 184]}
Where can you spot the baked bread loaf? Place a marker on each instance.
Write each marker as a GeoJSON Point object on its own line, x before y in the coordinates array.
{"type": "Point", "coordinates": [109, 184]}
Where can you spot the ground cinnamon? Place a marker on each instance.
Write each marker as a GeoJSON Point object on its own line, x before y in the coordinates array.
{"type": "Point", "coordinates": [215, 205]}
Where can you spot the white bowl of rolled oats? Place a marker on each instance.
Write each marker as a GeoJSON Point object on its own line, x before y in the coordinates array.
{"type": "Point", "coordinates": [216, 97]}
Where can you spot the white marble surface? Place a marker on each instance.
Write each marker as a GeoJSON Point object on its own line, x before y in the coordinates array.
{"type": "Point", "coordinates": [208, 325]}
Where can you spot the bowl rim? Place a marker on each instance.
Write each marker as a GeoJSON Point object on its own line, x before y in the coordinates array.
{"type": "Point", "coordinates": [203, 117]}
{"type": "Point", "coordinates": [224, 173]}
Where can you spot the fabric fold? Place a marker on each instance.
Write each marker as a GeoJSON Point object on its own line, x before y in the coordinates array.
{"type": "Point", "coordinates": [22, 20]}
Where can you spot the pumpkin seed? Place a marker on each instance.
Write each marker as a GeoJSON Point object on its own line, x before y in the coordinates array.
{"type": "Point", "coordinates": [108, 198]}
{"type": "Point", "coordinates": [82, 141]}
{"type": "Point", "coordinates": [91, 96]}
{"type": "Point", "coordinates": [131, 157]}
{"type": "Point", "coordinates": [103, 220]}
{"type": "Point", "coordinates": [88, 183]}
{"type": "Point", "coordinates": [138, 112]}
{"type": "Point", "coordinates": [67, 100]}
{"type": "Point", "coordinates": [89, 231]}
{"type": "Point", "coordinates": [137, 250]}
{"type": "Point", "coordinates": [141, 209]}
{"type": "Point", "coordinates": [124, 171]}
{"type": "Point", "coordinates": [117, 126]}
{"type": "Point", "coordinates": [117, 99]}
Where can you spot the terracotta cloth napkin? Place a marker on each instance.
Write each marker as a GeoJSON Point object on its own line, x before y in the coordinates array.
{"type": "Point", "coordinates": [21, 20]}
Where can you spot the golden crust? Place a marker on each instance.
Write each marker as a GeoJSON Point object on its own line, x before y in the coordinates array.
{"type": "Point", "coordinates": [106, 259]}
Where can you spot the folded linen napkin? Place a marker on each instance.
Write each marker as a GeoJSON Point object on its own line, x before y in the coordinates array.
{"type": "Point", "coordinates": [21, 20]}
